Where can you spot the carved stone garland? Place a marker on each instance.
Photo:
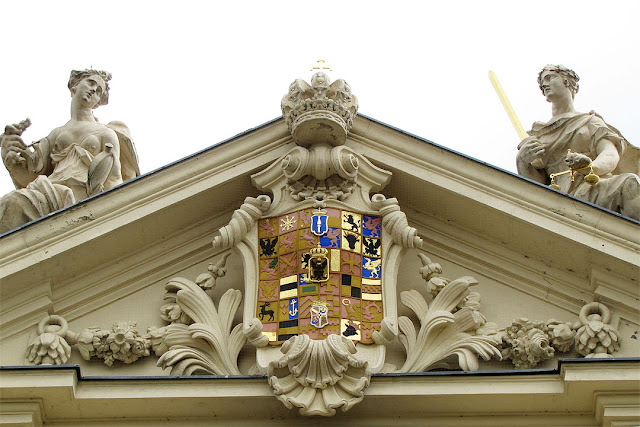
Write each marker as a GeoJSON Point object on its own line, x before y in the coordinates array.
{"type": "Point", "coordinates": [198, 340]}
{"type": "Point", "coordinates": [53, 344]}
{"type": "Point", "coordinates": [528, 343]}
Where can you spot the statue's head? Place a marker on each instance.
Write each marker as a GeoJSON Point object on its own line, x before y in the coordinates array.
{"type": "Point", "coordinates": [104, 77]}
{"type": "Point", "coordinates": [570, 77]}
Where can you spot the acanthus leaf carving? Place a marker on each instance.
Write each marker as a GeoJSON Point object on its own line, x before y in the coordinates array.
{"type": "Point", "coordinates": [448, 327]}
{"type": "Point", "coordinates": [206, 342]}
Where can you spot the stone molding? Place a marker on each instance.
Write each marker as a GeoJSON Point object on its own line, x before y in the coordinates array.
{"type": "Point", "coordinates": [569, 395]}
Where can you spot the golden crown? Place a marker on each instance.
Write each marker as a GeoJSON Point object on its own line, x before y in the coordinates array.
{"type": "Point", "coordinates": [319, 251]}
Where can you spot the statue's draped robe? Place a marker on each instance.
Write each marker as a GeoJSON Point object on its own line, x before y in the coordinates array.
{"type": "Point", "coordinates": [618, 191]}
{"type": "Point", "coordinates": [66, 185]}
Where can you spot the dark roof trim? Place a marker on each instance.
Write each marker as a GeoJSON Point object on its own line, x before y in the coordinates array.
{"type": "Point", "coordinates": [498, 373]}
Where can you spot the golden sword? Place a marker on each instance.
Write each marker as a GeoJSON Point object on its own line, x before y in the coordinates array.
{"type": "Point", "coordinates": [507, 105]}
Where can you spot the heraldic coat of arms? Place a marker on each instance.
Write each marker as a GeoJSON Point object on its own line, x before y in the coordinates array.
{"type": "Point", "coordinates": [320, 257]}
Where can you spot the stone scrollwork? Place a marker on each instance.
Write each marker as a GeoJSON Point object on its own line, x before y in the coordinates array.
{"type": "Point", "coordinates": [319, 376]}
{"type": "Point", "coordinates": [394, 221]}
{"type": "Point", "coordinates": [448, 326]}
{"type": "Point", "coordinates": [321, 172]}
{"type": "Point", "coordinates": [242, 221]}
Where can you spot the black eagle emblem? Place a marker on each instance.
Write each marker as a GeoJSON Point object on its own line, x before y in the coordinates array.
{"type": "Point", "coordinates": [318, 269]}
{"type": "Point", "coordinates": [268, 246]}
{"type": "Point", "coordinates": [371, 247]}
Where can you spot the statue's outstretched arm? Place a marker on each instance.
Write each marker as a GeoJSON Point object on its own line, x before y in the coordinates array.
{"type": "Point", "coordinates": [24, 164]}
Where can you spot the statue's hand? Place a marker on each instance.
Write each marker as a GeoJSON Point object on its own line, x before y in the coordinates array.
{"type": "Point", "coordinates": [577, 161]}
{"type": "Point", "coordinates": [14, 150]}
{"type": "Point", "coordinates": [531, 149]}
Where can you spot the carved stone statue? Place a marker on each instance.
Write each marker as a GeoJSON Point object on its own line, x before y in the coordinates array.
{"type": "Point", "coordinates": [584, 144]}
{"type": "Point", "coordinates": [77, 160]}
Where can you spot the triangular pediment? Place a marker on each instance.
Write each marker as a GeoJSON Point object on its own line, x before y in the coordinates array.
{"type": "Point", "coordinates": [459, 201]}
{"type": "Point", "coordinates": [536, 253]}
{"type": "Point", "coordinates": [463, 208]}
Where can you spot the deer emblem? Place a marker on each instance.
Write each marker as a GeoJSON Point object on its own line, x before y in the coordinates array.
{"type": "Point", "coordinates": [265, 312]}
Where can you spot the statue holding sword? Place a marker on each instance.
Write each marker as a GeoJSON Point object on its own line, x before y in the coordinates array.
{"type": "Point", "coordinates": [577, 153]}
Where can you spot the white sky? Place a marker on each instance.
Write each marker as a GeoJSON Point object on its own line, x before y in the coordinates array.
{"type": "Point", "coordinates": [187, 75]}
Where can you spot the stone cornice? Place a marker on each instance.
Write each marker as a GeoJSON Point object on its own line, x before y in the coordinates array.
{"type": "Point", "coordinates": [572, 393]}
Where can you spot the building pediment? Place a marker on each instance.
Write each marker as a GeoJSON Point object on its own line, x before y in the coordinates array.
{"type": "Point", "coordinates": [529, 253]}
{"type": "Point", "coordinates": [454, 197]}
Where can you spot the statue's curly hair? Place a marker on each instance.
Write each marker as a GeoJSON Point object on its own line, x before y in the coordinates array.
{"type": "Point", "coordinates": [570, 77]}
{"type": "Point", "coordinates": [77, 76]}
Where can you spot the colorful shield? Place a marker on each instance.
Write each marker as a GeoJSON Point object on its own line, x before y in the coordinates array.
{"type": "Point", "coordinates": [319, 224]}
{"type": "Point", "coordinates": [319, 314]}
{"type": "Point", "coordinates": [320, 274]}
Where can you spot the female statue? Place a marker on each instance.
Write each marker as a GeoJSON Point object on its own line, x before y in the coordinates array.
{"type": "Point", "coordinates": [584, 143]}
{"type": "Point", "coordinates": [77, 160]}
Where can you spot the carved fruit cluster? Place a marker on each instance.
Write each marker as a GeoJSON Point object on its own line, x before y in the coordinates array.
{"type": "Point", "coordinates": [594, 336]}
{"type": "Point", "coordinates": [53, 344]}
{"type": "Point", "coordinates": [528, 342]}
{"type": "Point", "coordinates": [123, 342]}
